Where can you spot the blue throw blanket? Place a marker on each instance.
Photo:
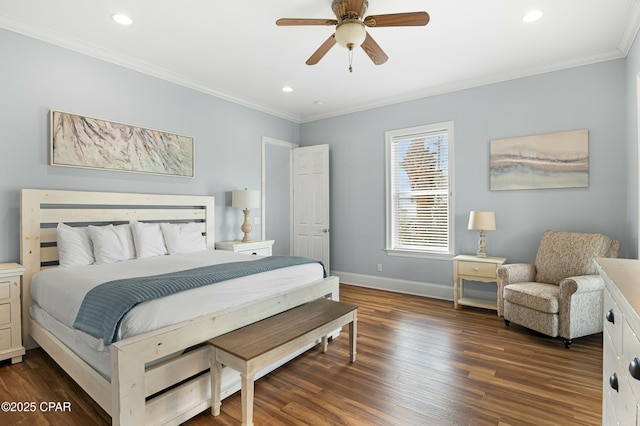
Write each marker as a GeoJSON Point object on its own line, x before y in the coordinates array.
{"type": "Point", "coordinates": [105, 305]}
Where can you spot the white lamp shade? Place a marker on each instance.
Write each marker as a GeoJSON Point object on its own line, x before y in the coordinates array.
{"type": "Point", "coordinates": [350, 33]}
{"type": "Point", "coordinates": [482, 221]}
{"type": "Point", "coordinates": [245, 199]}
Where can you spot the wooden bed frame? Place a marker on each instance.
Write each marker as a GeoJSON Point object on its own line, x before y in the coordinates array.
{"type": "Point", "coordinates": [171, 391]}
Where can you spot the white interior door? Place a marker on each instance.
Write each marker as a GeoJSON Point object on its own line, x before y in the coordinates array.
{"type": "Point", "coordinates": [311, 202]}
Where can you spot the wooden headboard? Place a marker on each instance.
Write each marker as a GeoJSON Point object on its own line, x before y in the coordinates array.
{"type": "Point", "coordinates": [41, 211]}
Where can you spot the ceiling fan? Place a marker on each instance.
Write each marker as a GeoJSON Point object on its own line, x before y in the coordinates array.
{"type": "Point", "coordinates": [350, 28]}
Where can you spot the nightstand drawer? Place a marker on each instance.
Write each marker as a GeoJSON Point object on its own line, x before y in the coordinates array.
{"type": "Point", "coordinates": [5, 313]}
{"type": "Point", "coordinates": [5, 338]}
{"type": "Point", "coordinates": [258, 247]}
{"type": "Point", "coordinates": [478, 269]}
{"type": "Point", "coordinates": [5, 289]}
{"type": "Point", "coordinates": [265, 251]}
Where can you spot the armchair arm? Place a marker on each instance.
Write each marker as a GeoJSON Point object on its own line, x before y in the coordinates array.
{"type": "Point", "coordinates": [513, 273]}
{"type": "Point", "coordinates": [580, 284]}
{"type": "Point", "coordinates": [581, 305]}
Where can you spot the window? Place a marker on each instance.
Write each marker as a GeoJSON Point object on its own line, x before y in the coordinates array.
{"type": "Point", "coordinates": [419, 201]}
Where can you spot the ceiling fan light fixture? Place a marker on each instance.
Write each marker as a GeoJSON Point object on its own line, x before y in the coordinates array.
{"type": "Point", "coordinates": [350, 33]}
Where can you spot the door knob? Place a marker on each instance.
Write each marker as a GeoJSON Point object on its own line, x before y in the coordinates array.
{"type": "Point", "coordinates": [325, 230]}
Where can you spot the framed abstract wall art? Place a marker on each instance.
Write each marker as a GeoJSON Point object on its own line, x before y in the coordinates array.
{"type": "Point", "coordinates": [87, 142]}
{"type": "Point", "coordinates": [551, 160]}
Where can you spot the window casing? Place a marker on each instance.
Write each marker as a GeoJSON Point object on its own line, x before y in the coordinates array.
{"type": "Point", "coordinates": [419, 198]}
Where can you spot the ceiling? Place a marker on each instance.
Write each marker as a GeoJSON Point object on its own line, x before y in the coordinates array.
{"type": "Point", "coordinates": [234, 50]}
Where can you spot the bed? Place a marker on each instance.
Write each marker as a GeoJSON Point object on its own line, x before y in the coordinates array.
{"type": "Point", "coordinates": [155, 376]}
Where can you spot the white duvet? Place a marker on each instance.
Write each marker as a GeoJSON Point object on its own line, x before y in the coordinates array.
{"type": "Point", "coordinates": [60, 291]}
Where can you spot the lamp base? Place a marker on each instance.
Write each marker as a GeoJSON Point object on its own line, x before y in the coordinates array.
{"type": "Point", "coordinates": [246, 227]}
{"type": "Point", "coordinates": [482, 246]}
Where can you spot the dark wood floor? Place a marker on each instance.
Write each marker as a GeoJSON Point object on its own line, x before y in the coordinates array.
{"type": "Point", "coordinates": [420, 362]}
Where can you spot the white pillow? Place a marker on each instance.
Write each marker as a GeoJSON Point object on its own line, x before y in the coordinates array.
{"type": "Point", "coordinates": [112, 243]}
{"type": "Point", "coordinates": [148, 239]}
{"type": "Point", "coordinates": [74, 246]}
{"type": "Point", "coordinates": [183, 237]}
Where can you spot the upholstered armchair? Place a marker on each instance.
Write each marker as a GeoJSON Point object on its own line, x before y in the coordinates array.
{"type": "Point", "coordinates": [561, 294]}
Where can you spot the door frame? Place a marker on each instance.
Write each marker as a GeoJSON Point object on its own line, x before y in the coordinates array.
{"type": "Point", "coordinates": [263, 185]}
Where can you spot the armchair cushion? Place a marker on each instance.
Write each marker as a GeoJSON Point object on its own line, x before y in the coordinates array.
{"type": "Point", "coordinates": [566, 254]}
{"type": "Point", "coordinates": [538, 296]}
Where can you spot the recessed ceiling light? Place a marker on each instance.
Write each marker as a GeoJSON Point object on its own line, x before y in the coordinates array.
{"type": "Point", "coordinates": [534, 15]}
{"type": "Point", "coordinates": [287, 89]}
{"type": "Point", "coordinates": [121, 19]}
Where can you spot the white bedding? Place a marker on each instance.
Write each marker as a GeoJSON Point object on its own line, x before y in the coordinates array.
{"type": "Point", "coordinates": [60, 291]}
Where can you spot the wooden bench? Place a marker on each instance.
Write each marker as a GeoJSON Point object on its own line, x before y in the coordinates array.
{"type": "Point", "coordinates": [251, 348]}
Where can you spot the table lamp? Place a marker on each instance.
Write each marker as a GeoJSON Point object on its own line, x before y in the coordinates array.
{"type": "Point", "coordinates": [482, 221]}
{"type": "Point", "coordinates": [245, 199]}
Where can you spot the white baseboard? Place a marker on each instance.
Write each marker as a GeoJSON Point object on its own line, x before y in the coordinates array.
{"type": "Point", "coordinates": [435, 291]}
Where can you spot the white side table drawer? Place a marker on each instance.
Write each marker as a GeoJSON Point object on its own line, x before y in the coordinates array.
{"type": "Point", "coordinates": [477, 269]}
{"type": "Point", "coordinates": [258, 247]}
{"type": "Point", "coordinates": [5, 338]}
{"type": "Point", "coordinates": [5, 289]}
{"type": "Point", "coordinates": [10, 313]}
{"type": "Point", "coordinates": [5, 313]}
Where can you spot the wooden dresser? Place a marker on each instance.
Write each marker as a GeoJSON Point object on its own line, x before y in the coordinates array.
{"type": "Point", "coordinates": [621, 341]}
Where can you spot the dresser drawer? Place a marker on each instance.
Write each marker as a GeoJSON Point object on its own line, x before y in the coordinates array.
{"type": "Point", "coordinates": [478, 269]}
{"type": "Point", "coordinates": [630, 358]}
{"type": "Point", "coordinates": [5, 338]}
{"type": "Point", "coordinates": [5, 289]}
{"type": "Point", "coordinates": [613, 321]}
{"type": "Point", "coordinates": [5, 313]}
{"type": "Point", "coordinates": [620, 402]}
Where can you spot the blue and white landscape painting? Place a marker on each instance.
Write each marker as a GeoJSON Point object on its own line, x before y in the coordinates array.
{"type": "Point", "coordinates": [552, 160]}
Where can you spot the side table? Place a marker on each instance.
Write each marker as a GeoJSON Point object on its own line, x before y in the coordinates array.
{"type": "Point", "coordinates": [10, 318]}
{"type": "Point", "coordinates": [474, 268]}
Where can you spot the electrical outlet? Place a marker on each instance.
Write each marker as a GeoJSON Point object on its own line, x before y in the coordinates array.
{"type": "Point", "coordinates": [256, 221]}
{"type": "Point", "coordinates": [379, 267]}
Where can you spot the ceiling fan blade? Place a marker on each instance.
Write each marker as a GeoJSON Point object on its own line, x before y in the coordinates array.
{"type": "Point", "coordinates": [322, 50]}
{"type": "Point", "coordinates": [374, 51]}
{"type": "Point", "coordinates": [397, 19]}
{"type": "Point", "coordinates": [305, 21]}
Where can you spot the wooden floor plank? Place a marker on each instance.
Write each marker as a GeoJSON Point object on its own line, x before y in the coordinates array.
{"type": "Point", "coordinates": [420, 362]}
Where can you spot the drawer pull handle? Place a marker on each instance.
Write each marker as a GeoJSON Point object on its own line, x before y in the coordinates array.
{"type": "Point", "coordinates": [634, 368]}
{"type": "Point", "coordinates": [610, 316]}
{"type": "Point", "coordinates": [613, 382]}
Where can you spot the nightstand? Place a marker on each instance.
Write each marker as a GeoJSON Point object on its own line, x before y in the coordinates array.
{"type": "Point", "coordinates": [474, 268]}
{"type": "Point", "coordinates": [10, 320]}
{"type": "Point", "coordinates": [261, 247]}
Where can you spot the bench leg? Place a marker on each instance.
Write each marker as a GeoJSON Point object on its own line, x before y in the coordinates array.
{"type": "Point", "coordinates": [216, 378]}
{"type": "Point", "coordinates": [247, 398]}
{"type": "Point", "coordinates": [325, 343]}
{"type": "Point", "coordinates": [353, 331]}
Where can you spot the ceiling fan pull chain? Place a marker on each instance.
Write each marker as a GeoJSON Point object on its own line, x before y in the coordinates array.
{"type": "Point", "coordinates": [350, 59]}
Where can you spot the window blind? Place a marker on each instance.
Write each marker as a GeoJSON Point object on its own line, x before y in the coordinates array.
{"type": "Point", "coordinates": [419, 173]}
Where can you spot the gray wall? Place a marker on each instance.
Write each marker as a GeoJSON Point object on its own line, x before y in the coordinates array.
{"type": "Point", "coordinates": [591, 97]}
{"type": "Point", "coordinates": [632, 190]}
{"type": "Point", "coordinates": [36, 77]}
